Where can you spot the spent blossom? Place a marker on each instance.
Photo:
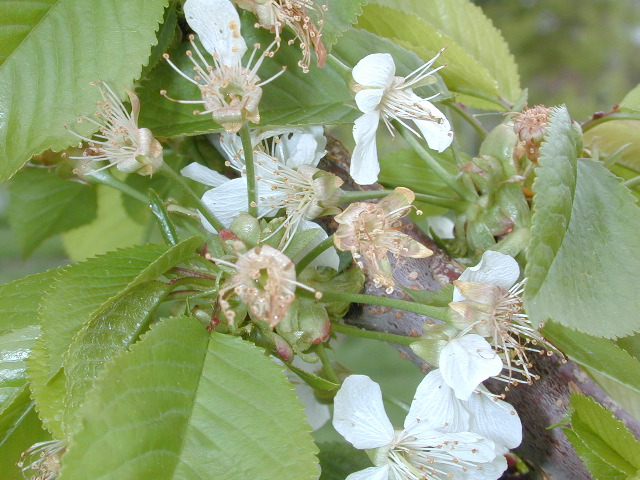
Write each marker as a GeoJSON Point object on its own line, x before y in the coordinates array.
{"type": "Point", "coordinates": [119, 141]}
{"type": "Point", "coordinates": [370, 231]}
{"type": "Point", "coordinates": [380, 94]}
{"type": "Point", "coordinates": [487, 304]}
{"type": "Point", "coordinates": [265, 280]}
{"type": "Point", "coordinates": [274, 15]}
{"type": "Point", "coordinates": [231, 92]}
{"type": "Point", "coordinates": [436, 442]}
{"type": "Point", "coordinates": [287, 178]}
{"type": "Point", "coordinates": [42, 459]}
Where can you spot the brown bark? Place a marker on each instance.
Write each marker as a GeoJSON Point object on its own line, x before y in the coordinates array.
{"type": "Point", "coordinates": [539, 405]}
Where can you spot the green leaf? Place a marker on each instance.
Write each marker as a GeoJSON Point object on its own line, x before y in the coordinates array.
{"type": "Point", "coordinates": [19, 300]}
{"type": "Point", "coordinates": [632, 100]}
{"type": "Point", "coordinates": [55, 53]}
{"type": "Point", "coordinates": [612, 136]}
{"type": "Point", "coordinates": [596, 465]}
{"type": "Point", "coordinates": [112, 229]}
{"type": "Point", "coordinates": [40, 203]}
{"type": "Point", "coordinates": [404, 168]}
{"type": "Point", "coordinates": [14, 349]}
{"type": "Point", "coordinates": [338, 19]}
{"type": "Point", "coordinates": [599, 354]}
{"type": "Point", "coordinates": [592, 275]}
{"type": "Point", "coordinates": [111, 329]}
{"type": "Point", "coordinates": [339, 459]}
{"type": "Point", "coordinates": [479, 64]}
{"type": "Point", "coordinates": [20, 428]}
{"type": "Point", "coordinates": [185, 404]}
{"type": "Point", "coordinates": [81, 289]}
{"type": "Point", "coordinates": [295, 98]}
{"type": "Point", "coordinates": [607, 447]}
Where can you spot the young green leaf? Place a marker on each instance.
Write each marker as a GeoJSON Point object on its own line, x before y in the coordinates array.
{"type": "Point", "coordinates": [607, 448]}
{"type": "Point", "coordinates": [19, 300]}
{"type": "Point", "coordinates": [583, 258]}
{"type": "Point", "coordinates": [39, 205]}
{"type": "Point", "coordinates": [479, 65]}
{"type": "Point", "coordinates": [46, 68]}
{"type": "Point", "coordinates": [338, 19]}
{"type": "Point", "coordinates": [599, 354]}
{"type": "Point", "coordinates": [81, 289]}
{"type": "Point", "coordinates": [115, 326]}
{"type": "Point", "coordinates": [14, 349]}
{"type": "Point", "coordinates": [186, 404]}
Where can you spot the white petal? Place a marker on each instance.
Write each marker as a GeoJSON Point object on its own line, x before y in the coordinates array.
{"type": "Point", "coordinates": [359, 415]}
{"type": "Point", "coordinates": [202, 174]}
{"type": "Point", "coordinates": [435, 407]}
{"type": "Point", "coordinates": [468, 446]}
{"type": "Point", "coordinates": [210, 19]}
{"type": "Point", "coordinates": [492, 470]}
{"type": "Point", "coordinates": [494, 267]}
{"type": "Point", "coordinates": [375, 70]}
{"type": "Point", "coordinates": [371, 473]}
{"type": "Point", "coordinates": [438, 134]}
{"type": "Point", "coordinates": [298, 149]}
{"type": "Point", "coordinates": [369, 99]}
{"type": "Point", "coordinates": [494, 419]}
{"type": "Point", "coordinates": [364, 161]}
{"type": "Point", "coordinates": [467, 361]}
{"type": "Point", "coordinates": [229, 199]}
{"type": "Point", "coordinates": [442, 226]}
{"type": "Point", "coordinates": [328, 258]}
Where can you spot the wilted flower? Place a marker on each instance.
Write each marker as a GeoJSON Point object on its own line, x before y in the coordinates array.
{"type": "Point", "coordinates": [230, 92]}
{"type": "Point", "coordinates": [286, 178]}
{"type": "Point", "coordinates": [265, 280]}
{"type": "Point", "coordinates": [380, 93]}
{"type": "Point", "coordinates": [530, 127]}
{"type": "Point", "coordinates": [370, 231]}
{"type": "Point", "coordinates": [119, 140]}
{"type": "Point", "coordinates": [274, 15]}
{"type": "Point", "coordinates": [42, 459]}
{"type": "Point", "coordinates": [435, 444]}
{"type": "Point", "coordinates": [487, 303]}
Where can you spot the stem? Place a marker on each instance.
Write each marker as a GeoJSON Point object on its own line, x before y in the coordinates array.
{"type": "Point", "coordinates": [103, 177]}
{"type": "Point", "coordinates": [449, 179]}
{"type": "Point", "coordinates": [310, 257]}
{"type": "Point", "coordinates": [632, 182]}
{"type": "Point", "coordinates": [182, 185]}
{"type": "Point", "coordinates": [247, 151]}
{"type": "Point", "coordinates": [374, 335]}
{"type": "Point", "coordinates": [329, 372]}
{"type": "Point", "coordinates": [438, 313]}
{"type": "Point", "coordinates": [462, 110]}
{"type": "Point", "coordinates": [356, 196]}
{"type": "Point", "coordinates": [601, 118]}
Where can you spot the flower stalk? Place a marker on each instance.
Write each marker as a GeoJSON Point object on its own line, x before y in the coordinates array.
{"type": "Point", "coordinates": [247, 150]}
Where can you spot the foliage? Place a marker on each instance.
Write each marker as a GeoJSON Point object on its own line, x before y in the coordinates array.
{"type": "Point", "coordinates": [157, 343]}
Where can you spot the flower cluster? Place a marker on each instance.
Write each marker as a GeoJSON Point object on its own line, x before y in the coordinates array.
{"type": "Point", "coordinates": [442, 438]}
{"type": "Point", "coordinates": [487, 305]}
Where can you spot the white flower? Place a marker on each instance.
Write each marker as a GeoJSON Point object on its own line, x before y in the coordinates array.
{"type": "Point", "coordinates": [487, 304]}
{"type": "Point", "coordinates": [380, 93]}
{"type": "Point", "coordinates": [119, 141]}
{"type": "Point", "coordinates": [230, 91]}
{"type": "Point", "coordinates": [435, 444]}
{"type": "Point", "coordinates": [287, 178]}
